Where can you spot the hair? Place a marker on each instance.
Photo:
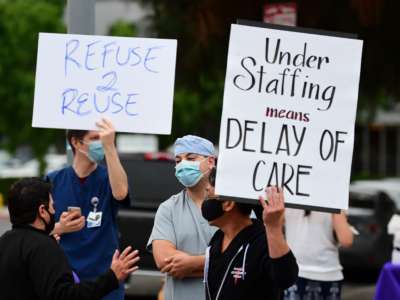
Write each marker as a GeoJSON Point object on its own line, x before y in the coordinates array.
{"type": "Point", "coordinates": [244, 208]}
{"type": "Point", "coordinates": [24, 199]}
{"type": "Point", "coordinates": [75, 134]}
{"type": "Point", "coordinates": [211, 176]}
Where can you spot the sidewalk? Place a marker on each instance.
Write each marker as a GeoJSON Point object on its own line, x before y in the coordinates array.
{"type": "Point", "coordinates": [4, 213]}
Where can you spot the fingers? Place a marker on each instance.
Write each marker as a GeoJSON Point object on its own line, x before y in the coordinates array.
{"type": "Point", "coordinates": [270, 195]}
{"type": "Point", "coordinates": [131, 270]}
{"type": "Point", "coordinates": [131, 256]}
{"type": "Point", "coordinates": [262, 202]}
{"type": "Point", "coordinates": [125, 252]}
{"type": "Point", "coordinates": [64, 215]}
{"type": "Point", "coordinates": [75, 224]}
{"type": "Point", "coordinates": [132, 262]}
{"type": "Point", "coordinates": [169, 259]}
{"type": "Point", "coordinates": [167, 268]}
{"type": "Point", "coordinates": [105, 124]}
{"type": "Point", "coordinates": [108, 123]}
{"type": "Point", "coordinates": [73, 215]}
{"type": "Point", "coordinates": [281, 198]}
{"type": "Point", "coordinates": [70, 215]}
{"type": "Point", "coordinates": [116, 255]}
{"type": "Point", "coordinates": [275, 197]}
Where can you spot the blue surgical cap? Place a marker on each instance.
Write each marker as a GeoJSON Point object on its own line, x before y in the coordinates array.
{"type": "Point", "coordinates": [194, 144]}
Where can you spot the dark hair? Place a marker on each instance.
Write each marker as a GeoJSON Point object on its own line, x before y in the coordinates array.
{"type": "Point", "coordinates": [245, 208]}
{"type": "Point", "coordinates": [25, 197]}
{"type": "Point", "coordinates": [75, 134]}
{"type": "Point", "coordinates": [211, 177]}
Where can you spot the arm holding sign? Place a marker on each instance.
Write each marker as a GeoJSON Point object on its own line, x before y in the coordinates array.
{"type": "Point", "coordinates": [116, 173]}
{"type": "Point", "coordinates": [342, 229]}
{"type": "Point", "coordinates": [282, 265]}
{"type": "Point", "coordinates": [274, 219]}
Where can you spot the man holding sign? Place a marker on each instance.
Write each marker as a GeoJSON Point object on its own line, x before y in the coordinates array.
{"type": "Point", "coordinates": [247, 259]}
{"type": "Point", "coordinates": [97, 191]}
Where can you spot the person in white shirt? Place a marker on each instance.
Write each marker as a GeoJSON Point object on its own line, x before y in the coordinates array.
{"type": "Point", "coordinates": [315, 238]}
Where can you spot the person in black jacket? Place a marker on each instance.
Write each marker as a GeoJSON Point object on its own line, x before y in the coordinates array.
{"type": "Point", "coordinates": [247, 258]}
{"type": "Point", "coordinates": [33, 266]}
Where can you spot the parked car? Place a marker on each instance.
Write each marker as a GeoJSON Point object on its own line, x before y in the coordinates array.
{"type": "Point", "coordinates": [371, 206]}
{"type": "Point", "coordinates": [151, 181]}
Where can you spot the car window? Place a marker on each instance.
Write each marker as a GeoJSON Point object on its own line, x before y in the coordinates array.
{"type": "Point", "coordinates": [150, 181]}
{"type": "Point", "coordinates": [358, 200]}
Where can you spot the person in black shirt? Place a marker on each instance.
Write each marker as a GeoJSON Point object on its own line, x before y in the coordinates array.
{"type": "Point", "coordinates": [247, 258]}
{"type": "Point", "coordinates": [33, 266]}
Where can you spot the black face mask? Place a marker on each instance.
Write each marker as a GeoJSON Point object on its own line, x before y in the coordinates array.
{"type": "Point", "coordinates": [49, 227]}
{"type": "Point", "coordinates": [211, 209]}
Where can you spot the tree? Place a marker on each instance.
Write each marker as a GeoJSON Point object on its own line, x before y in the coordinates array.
{"type": "Point", "coordinates": [122, 28]}
{"type": "Point", "coordinates": [202, 29]}
{"type": "Point", "coordinates": [20, 23]}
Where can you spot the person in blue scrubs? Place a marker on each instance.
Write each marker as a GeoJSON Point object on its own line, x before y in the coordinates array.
{"type": "Point", "coordinates": [89, 241]}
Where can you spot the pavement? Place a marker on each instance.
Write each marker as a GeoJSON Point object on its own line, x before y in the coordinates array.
{"type": "Point", "coordinates": [4, 220]}
{"type": "Point", "coordinates": [358, 291]}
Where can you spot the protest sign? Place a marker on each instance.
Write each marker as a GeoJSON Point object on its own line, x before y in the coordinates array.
{"type": "Point", "coordinates": [288, 116]}
{"type": "Point", "coordinates": [81, 78]}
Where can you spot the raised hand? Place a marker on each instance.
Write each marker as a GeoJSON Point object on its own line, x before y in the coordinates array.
{"type": "Point", "coordinates": [106, 132]}
{"type": "Point", "coordinates": [125, 263]}
{"type": "Point", "coordinates": [273, 207]}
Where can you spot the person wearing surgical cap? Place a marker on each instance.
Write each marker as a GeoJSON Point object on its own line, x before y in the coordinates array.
{"type": "Point", "coordinates": [180, 234]}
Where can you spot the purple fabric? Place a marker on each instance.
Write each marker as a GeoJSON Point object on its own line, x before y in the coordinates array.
{"type": "Point", "coordinates": [388, 285]}
{"type": "Point", "coordinates": [76, 278]}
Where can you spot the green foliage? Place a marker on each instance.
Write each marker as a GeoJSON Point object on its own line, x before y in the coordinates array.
{"type": "Point", "coordinates": [198, 111]}
{"type": "Point", "coordinates": [122, 28]}
{"type": "Point", "coordinates": [20, 23]}
{"type": "Point", "coordinates": [202, 29]}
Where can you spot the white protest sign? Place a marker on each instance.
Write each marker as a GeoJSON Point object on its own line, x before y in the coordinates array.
{"type": "Point", "coordinates": [81, 78]}
{"type": "Point", "coordinates": [288, 116]}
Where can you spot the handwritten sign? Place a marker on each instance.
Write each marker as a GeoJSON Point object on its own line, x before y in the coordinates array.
{"type": "Point", "coordinates": [288, 116]}
{"type": "Point", "coordinates": [81, 78]}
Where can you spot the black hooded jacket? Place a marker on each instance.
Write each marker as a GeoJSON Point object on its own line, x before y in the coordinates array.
{"type": "Point", "coordinates": [245, 270]}
{"type": "Point", "coordinates": [33, 267]}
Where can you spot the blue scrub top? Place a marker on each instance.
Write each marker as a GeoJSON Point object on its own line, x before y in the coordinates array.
{"type": "Point", "coordinates": [89, 250]}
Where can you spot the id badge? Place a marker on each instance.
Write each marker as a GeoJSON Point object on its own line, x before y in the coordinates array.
{"type": "Point", "coordinates": [94, 219]}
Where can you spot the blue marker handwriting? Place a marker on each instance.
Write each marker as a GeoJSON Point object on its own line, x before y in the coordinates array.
{"type": "Point", "coordinates": [106, 99]}
{"type": "Point", "coordinates": [86, 103]}
{"type": "Point", "coordinates": [105, 58]}
{"type": "Point", "coordinates": [102, 55]}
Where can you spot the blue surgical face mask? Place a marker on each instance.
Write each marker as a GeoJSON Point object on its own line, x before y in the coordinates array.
{"type": "Point", "coordinates": [188, 172]}
{"type": "Point", "coordinates": [96, 151]}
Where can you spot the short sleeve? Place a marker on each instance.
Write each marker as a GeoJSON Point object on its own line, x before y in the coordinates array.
{"type": "Point", "coordinates": [163, 228]}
